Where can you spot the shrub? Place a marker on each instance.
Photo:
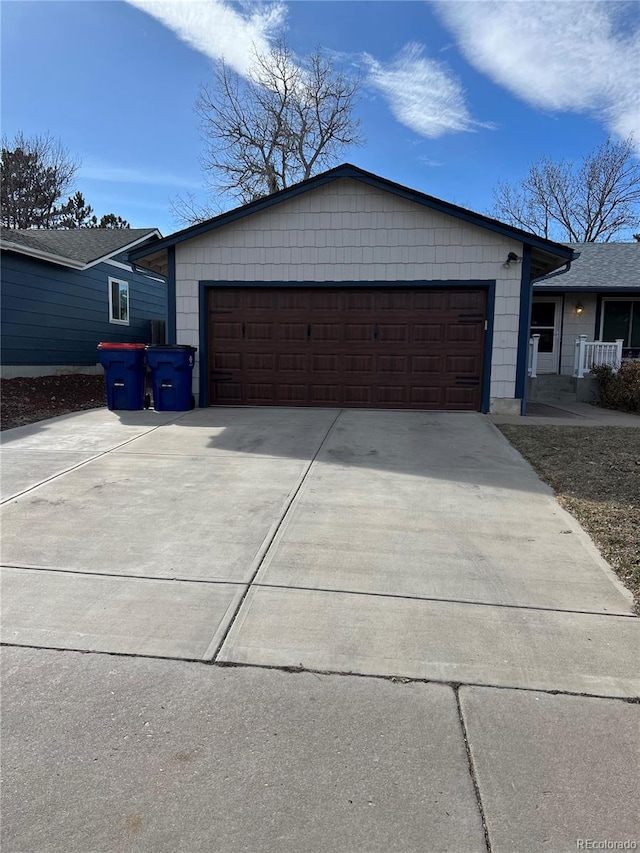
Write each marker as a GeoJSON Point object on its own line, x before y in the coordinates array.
{"type": "Point", "coordinates": [619, 390]}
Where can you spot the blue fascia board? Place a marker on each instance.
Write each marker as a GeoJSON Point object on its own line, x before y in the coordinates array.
{"type": "Point", "coordinates": [353, 172]}
{"type": "Point", "coordinates": [524, 324]}
{"type": "Point", "coordinates": [610, 291]}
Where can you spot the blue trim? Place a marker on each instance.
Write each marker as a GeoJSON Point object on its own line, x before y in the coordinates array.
{"type": "Point", "coordinates": [349, 171]}
{"type": "Point", "coordinates": [386, 285]}
{"type": "Point", "coordinates": [171, 296]}
{"type": "Point", "coordinates": [485, 404]}
{"type": "Point", "coordinates": [203, 307]}
{"type": "Point", "coordinates": [524, 325]}
{"type": "Point", "coordinates": [203, 304]}
{"type": "Point", "coordinates": [613, 291]}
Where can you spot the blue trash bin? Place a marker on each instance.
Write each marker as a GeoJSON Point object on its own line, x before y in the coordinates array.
{"type": "Point", "coordinates": [171, 377]}
{"type": "Point", "coordinates": [125, 375]}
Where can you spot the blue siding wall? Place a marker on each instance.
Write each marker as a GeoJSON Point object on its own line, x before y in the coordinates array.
{"type": "Point", "coordinates": [54, 315]}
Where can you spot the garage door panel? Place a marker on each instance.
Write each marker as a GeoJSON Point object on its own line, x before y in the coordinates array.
{"type": "Point", "coordinates": [293, 300]}
{"type": "Point", "coordinates": [393, 364]}
{"type": "Point", "coordinates": [427, 333]}
{"type": "Point", "coordinates": [297, 362]}
{"type": "Point", "coordinates": [459, 398]}
{"type": "Point", "coordinates": [465, 300]}
{"type": "Point", "coordinates": [356, 332]}
{"type": "Point", "coordinates": [325, 363]}
{"type": "Point", "coordinates": [460, 364]}
{"type": "Point", "coordinates": [392, 395]}
{"type": "Point", "coordinates": [327, 332]}
{"type": "Point", "coordinates": [325, 300]}
{"type": "Point", "coordinates": [430, 300]}
{"type": "Point", "coordinates": [464, 334]}
{"type": "Point", "coordinates": [358, 301]}
{"type": "Point", "coordinates": [426, 397]}
{"type": "Point", "coordinates": [357, 395]}
{"type": "Point", "coordinates": [227, 361]}
{"type": "Point", "coordinates": [425, 364]}
{"type": "Point", "coordinates": [393, 333]}
{"type": "Point", "coordinates": [406, 348]}
{"type": "Point", "coordinates": [254, 331]}
{"type": "Point", "coordinates": [326, 395]}
{"type": "Point", "coordinates": [292, 394]}
{"type": "Point", "coordinates": [226, 331]}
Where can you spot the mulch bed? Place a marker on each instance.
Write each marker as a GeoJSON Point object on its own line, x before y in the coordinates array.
{"type": "Point", "coordinates": [25, 401]}
{"type": "Point", "coordinates": [595, 473]}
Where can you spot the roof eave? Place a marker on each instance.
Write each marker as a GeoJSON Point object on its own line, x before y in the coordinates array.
{"type": "Point", "coordinates": [43, 256]}
{"type": "Point", "coordinates": [349, 171]}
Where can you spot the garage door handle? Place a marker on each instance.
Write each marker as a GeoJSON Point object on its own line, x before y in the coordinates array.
{"type": "Point", "coordinates": [376, 332]}
{"type": "Point", "coordinates": [309, 331]}
{"type": "Point", "coordinates": [244, 329]}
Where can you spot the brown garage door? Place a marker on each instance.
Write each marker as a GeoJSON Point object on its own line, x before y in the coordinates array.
{"type": "Point", "coordinates": [404, 348]}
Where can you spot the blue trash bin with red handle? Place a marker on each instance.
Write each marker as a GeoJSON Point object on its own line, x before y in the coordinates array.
{"type": "Point", "coordinates": [125, 375]}
{"type": "Point", "coordinates": [171, 377]}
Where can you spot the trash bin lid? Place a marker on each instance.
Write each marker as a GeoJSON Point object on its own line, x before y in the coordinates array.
{"type": "Point", "coordinates": [171, 346]}
{"type": "Point", "coordinates": [120, 346]}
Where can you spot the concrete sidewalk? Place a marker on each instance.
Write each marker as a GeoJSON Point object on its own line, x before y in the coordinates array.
{"type": "Point", "coordinates": [104, 753]}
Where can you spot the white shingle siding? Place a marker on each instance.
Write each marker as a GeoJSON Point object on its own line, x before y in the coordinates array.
{"type": "Point", "coordinates": [346, 231]}
{"type": "Point", "coordinates": [574, 325]}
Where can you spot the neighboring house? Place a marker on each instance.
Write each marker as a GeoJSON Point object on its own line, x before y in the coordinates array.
{"type": "Point", "coordinates": [598, 298]}
{"type": "Point", "coordinates": [63, 292]}
{"type": "Point", "coordinates": [350, 290]}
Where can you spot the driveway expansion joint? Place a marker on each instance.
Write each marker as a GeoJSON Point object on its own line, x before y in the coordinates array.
{"type": "Point", "coordinates": [271, 536]}
{"type": "Point", "coordinates": [471, 602]}
{"type": "Point", "coordinates": [471, 768]}
{"type": "Point", "coordinates": [79, 465]}
{"type": "Point", "coordinates": [301, 669]}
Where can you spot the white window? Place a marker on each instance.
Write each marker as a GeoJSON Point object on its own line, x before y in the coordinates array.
{"type": "Point", "coordinates": [118, 301]}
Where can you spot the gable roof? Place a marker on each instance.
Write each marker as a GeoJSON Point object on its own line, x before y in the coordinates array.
{"type": "Point", "coordinates": [78, 248]}
{"type": "Point", "coordinates": [597, 266]}
{"type": "Point", "coordinates": [547, 257]}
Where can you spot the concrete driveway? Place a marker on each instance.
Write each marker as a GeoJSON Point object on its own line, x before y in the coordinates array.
{"type": "Point", "coordinates": [406, 544]}
{"type": "Point", "coordinates": [403, 548]}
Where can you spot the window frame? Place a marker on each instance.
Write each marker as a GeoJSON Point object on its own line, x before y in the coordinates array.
{"type": "Point", "coordinates": [625, 298]}
{"type": "Point", "coordinates": [112, 319]}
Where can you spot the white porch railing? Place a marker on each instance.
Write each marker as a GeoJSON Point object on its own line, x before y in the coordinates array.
{"type": "Point", "coordinates": [589, 354]}
{"type": "Point", "coordinates": [534, 343]}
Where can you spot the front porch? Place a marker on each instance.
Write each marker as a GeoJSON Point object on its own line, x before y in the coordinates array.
{"type": "Point", "coordinates": [587, 355]}
{"type": "Point", "coordinates": [581, 385]}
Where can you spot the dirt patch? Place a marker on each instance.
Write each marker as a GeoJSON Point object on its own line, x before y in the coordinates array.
{"type": "Point", "coordinates": [25, 401]}
{"type": "Point", "coordinates": [595, 473]}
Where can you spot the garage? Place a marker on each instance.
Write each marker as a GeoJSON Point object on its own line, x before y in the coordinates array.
{"type": "Point", "coordinates": [349, 290]}
{"type": "Point", "coordinates": [373, 347]}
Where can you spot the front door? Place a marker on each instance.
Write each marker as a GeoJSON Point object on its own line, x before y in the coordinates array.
{"type": "Point", "coordinates": [546, 319]}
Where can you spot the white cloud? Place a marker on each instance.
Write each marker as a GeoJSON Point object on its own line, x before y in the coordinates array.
{"type": "Point", "coordinates": [95, 171]}
{"type": "Point", "coordinates": [218, 30]}
{"type": "Point", "coordinates": [562, 55]}
{"type": "Point", "coordinates": [422, 93]}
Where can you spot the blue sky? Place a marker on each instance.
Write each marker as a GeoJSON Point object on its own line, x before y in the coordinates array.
{"type": "Point", "coordinates": [456, 95]}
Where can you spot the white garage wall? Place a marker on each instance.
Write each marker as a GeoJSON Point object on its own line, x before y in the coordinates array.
{"type": "Point", "coordinates": [347, 231]}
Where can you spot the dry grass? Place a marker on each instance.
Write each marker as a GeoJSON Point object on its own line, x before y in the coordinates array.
{"type": "Point", "coordinates": [595, 473]}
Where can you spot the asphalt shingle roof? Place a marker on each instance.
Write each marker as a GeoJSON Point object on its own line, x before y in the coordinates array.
{"type": "Point", "coordinates": [600, 266]}
{"type": "Point", "coordinates": [82, 245]}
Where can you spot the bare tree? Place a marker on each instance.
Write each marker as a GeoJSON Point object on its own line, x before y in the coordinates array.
{"type": "Point", "coordinates": [592, 202]}
{"type": "Point", "coordinates": [282, 124]}
{"type": "Point", "coordinates": [35, 172]}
